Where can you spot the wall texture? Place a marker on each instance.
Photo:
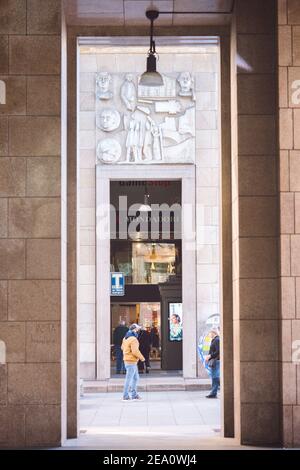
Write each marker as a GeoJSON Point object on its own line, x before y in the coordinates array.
{"type": "Point", "coordinates": [289, 135]}
{"type": "Point", "coordinates": [30, 223]}
{"type": "Point", "coordinates": [255, 228]}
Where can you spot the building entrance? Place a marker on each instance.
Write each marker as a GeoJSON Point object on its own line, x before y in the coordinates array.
{"type": "Point", "coordinates": [187, 142]}
{"type": "Point", "coordinates": [146, 248]}
{"type": "Point", "coordinates": [147, 314]}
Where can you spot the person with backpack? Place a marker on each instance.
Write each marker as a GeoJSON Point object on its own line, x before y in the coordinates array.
{"type": "Point", "coordinates": [131, 356]}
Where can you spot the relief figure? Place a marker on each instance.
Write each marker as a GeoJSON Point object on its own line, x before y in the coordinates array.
{"type": "Point", "coordinates": [128, 92]}
{"type": "Point", "coordinates": [103, 80]}
{"type": "Point", "coordinates": [108, 119]}
{"type": "Point", "coordinates": [186, 83]}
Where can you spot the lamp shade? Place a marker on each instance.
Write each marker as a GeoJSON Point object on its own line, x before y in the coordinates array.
{"type": "Point", "coordinates": [146, 206]}
{"type": "Point", "coordinates": [151, 77]}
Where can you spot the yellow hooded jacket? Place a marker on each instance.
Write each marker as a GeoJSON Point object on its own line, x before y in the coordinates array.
{"type": "Point", "coordinates": [131, 352]}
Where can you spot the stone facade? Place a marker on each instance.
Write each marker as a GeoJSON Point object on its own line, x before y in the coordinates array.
{"type": "Point", "coordinates": [30, 244]}
{"type": "Point", "coordinates": [203, 63]}
{"type": "Point", "coordinates": [289, 144]}
{"type": "Point", "coordinates": [33, 201]}
{"type": "Point", "coordinates": [255, 224]}
{"type": "Point", "coordinates": [265, 205]}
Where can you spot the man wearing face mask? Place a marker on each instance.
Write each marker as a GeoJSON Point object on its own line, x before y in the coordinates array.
{"type": "Point", "coordinates": [131, 356]}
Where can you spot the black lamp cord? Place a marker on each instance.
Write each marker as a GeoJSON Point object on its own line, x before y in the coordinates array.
{"type": "Point", "coordinates": [152, 42]}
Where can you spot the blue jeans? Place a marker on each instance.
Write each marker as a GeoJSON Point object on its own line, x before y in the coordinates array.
{"type": "Point", "coordinates": [119, 360]}
{"type": "Point", "coordinates": [131, 380]}
{"type": "Point", "coordinates": [215, 375]}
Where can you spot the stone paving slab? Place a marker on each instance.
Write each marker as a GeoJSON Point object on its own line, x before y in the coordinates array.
{"type": "Point", "coordinates": [177, 413]}
{"type": "Point", "coordinates": [168, 420]}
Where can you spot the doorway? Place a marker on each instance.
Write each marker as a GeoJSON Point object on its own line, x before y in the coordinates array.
{"type": "Point", "coordinates": [146, 249]}
{"type": "Point", "coordinates": [147, 314]}
{"type": "Point", "coordinates": [168, 250]}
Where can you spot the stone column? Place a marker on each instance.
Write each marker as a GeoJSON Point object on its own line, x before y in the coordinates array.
{"type": "Point", "coordinates": [289, 124]}
{"type": "Point", "coordinates": [31, 404]}
{"type": "Point", "coordinates": [255, 228]}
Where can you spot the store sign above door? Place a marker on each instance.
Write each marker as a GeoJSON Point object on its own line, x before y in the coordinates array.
{"type": "Point", "coordinates": [117, 284]}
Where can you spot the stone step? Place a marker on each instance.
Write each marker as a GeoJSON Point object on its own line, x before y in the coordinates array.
{"type": "Point", "coordinates": [146, 384]}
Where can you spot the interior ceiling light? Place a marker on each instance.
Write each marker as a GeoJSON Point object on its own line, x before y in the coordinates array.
{"type": "Point", "coordinates": [153, 255]}
{"type": "Point", "coordinates": [146, 206]}
{"type": "Point", "coordinates": [151, 77]}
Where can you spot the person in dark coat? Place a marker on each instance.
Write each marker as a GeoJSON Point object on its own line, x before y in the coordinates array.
{"type": "Point", "coordinates": [118, 335]}
{"type": "Point", "coordinates": [213, 360]}
{"type": "Point", "coordinates": [154, 340]}
{"type": "Point", "coordinates": [145, 346]}
{"type": "Point", "coordinates": [154, 334]}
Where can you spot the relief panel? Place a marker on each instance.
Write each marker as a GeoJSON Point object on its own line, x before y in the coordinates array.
{"type": "Point", "coordinates": [143, 125]}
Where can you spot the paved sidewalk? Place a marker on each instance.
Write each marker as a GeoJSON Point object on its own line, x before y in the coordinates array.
{"type": "Point", "coordinates": [156, 409]}
{"type": "Point", "coordinates": [162, 420]}
{"type": "Point", "coordinates": [148, 383]}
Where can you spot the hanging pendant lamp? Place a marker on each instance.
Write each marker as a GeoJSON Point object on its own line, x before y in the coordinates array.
{"type": "Point", "coordinates": [151, 77]}
{"type": "Point", "coordinates": [145, 207]}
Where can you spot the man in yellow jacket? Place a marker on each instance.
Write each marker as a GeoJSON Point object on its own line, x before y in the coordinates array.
{"type": "Point", "coordinates": [131, 356]}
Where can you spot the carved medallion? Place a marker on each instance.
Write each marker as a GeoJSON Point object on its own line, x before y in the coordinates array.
{"type": "Point", "coordinates": [108, 151]}
{"type": "Point", "coordinates": [108, 119]}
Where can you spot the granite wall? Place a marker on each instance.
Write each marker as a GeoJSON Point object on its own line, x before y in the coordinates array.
{"type": "Point", "coordinates": [289, 186]}
{"type": "Point", "coordinates": [31, 405]}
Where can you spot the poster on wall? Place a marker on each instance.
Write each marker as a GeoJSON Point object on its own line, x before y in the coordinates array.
{"type": "Point", "coordinates": [205, 339]}
{"type": "Point", "coordinates": [175, 321]}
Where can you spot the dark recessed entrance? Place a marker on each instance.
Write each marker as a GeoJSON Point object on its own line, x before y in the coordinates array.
{"type": "Point", "coordinates": [146, 247]}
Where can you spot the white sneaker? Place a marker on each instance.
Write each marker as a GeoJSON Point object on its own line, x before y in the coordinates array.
{"type": "Point", "coordinates": [137, 397]}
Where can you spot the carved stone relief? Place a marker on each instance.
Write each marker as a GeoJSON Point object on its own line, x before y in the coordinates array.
{"type": "Point", "coordinates": [108, 151]}
{"type": "Point", "coordinates": [128, 92]}
{"type": "Point", "coordinates": [170, 107]}
{"type": "Point", "coordinates": [168, 90]}
{"type": "Point", "coordinates": [186, 83]}
{"type": "Point", "coordinates": [103, 81]}
{"type": "Point", "coordinates": [108, 119]}
{"type": "Point", "coordinates": [145, 124]}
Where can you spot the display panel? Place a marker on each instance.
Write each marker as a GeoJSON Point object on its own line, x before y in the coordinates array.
{"type": "Point", "coordinates": [175, 321]}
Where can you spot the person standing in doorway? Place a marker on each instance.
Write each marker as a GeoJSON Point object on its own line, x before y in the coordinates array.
{"type": "Point", "coordinates": [145, 346]}
{"type": "Point", "coordinates": [131, 354]}
{"type": "Point", "coordinates": [213, 360]}
{"type": "Point", "coordinates": [118, 335]}
{"type": "Point", "coordinates": [154, 340]}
